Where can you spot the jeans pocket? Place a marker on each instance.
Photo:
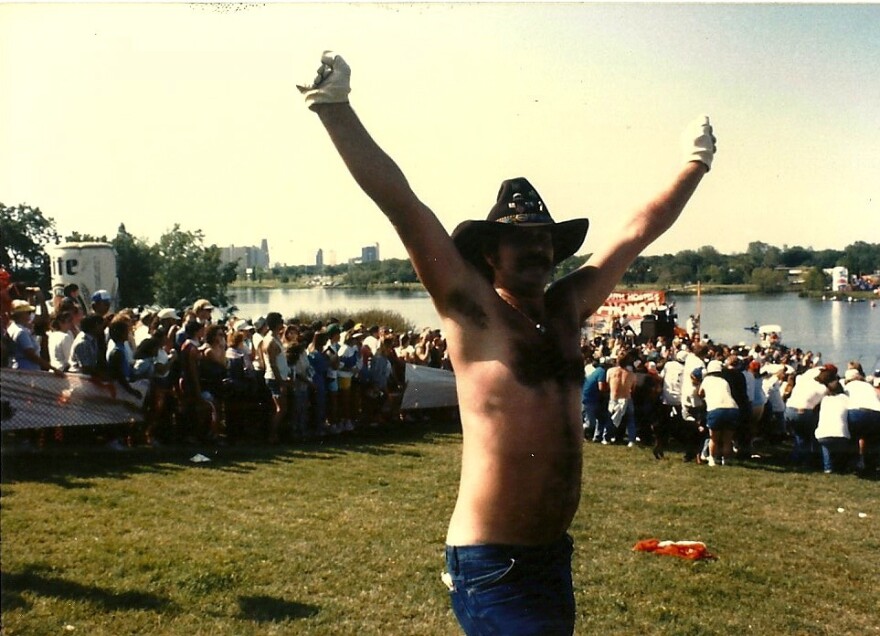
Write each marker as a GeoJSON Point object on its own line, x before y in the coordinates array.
{"type": "Point", "coordinates": [484, 576]}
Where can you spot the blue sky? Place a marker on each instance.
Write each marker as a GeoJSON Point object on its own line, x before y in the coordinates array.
{"type": "Point", "coordinates": [155, 114]}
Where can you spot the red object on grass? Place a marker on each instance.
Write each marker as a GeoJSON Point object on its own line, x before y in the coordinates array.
{"type": "Point", "coordinates": [693, 550]}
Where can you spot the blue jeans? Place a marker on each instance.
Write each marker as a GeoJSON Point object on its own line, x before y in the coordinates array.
{"type": "Point", "coordinates": [597, 420]}
{"type": "Point", "coordinates": [834, 451]}
{"type": "Point", "coordinates": [512, 590]}
{"type": "Point", "coordinates": [623, 417]}
{"type": "Point", "coordinates": [802, 424]}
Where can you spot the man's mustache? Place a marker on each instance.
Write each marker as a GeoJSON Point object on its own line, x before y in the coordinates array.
{"type": "Point", "coordinates": [534, 260]}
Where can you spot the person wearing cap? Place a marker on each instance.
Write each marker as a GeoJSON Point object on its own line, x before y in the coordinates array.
{"type": "Point", "coordinates": [202, 309]}
{"type": "Point", "coordinates": [515, 347]}
{"type": "Point", "coordinates": [101, 300]}
{"type": "Point", "coordinates": [25, 354]}
{"type": "Point", "coordinates": [722, 413]}
{"type": "Point", "coordinates": [672, 376]}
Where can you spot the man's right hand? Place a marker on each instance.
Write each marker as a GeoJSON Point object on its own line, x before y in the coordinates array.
{"type": "Point", "coordinates": [331, 84]}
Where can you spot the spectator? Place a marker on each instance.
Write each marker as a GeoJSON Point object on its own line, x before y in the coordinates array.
{"type": "Point", "coordinates": [101, 300]}
{"type": "Point", "coordinates": [25, 355]}
{"type": "Point", "coordinates": [832, 430]}
{"type": "Point", "coordinates": [277, 372]}
{"type": "Point", "coordinates": [61, 340]}
{"type": "Point", "coordinates": [863, 416]}
{"type": "Point", "coordinates": [722, 413]}
{"type": "Point", "coordinates": [84, 351]}
{"type": "Point", "coordinates": [594, 397]}
{"type": "Point", "coordinates": [620, 405]}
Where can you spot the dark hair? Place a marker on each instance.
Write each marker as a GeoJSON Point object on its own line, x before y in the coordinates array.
{"type": "Point", "coordinates": [119, 329]}
{"type": "Point", "coordinates": [192, 327]}
{"type": "Point", "coordinates": [61, 316]}
{"type": "Point", "coordinates": [72, 287]}
{"type": "Point", "coordinates": [91, 322]}
{"type": "Point", "coordinates": [212, 332]}
{"type": "Point", "coordinates": [274, 320]}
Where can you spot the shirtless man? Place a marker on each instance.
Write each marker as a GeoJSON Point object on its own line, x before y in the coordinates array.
{"type": "Point", "coordinates": [514, 344]}
{"type": "Point", "coordinates": [620, 405]}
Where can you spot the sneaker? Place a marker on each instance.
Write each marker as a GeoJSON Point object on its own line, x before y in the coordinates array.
{"type": "Point", "coordinates": [605, 442]}
{"type": "Point", "coordinates": [711, 461]}
{"type": "Point", "coordinates": [631, 445]}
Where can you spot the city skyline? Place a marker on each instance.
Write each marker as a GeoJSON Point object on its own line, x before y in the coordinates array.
{"type": "Point", "coordinates": [156, 114]}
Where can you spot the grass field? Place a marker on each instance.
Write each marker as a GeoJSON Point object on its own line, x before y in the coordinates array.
{"type": "Point", "coordinates": [346, 537]}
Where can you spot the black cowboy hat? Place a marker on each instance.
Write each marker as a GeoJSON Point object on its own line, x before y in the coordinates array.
{"type": "Point", "coordinates": [518, 206]}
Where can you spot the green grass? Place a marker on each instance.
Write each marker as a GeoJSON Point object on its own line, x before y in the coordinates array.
{"type": "Point", "coordinates": [347, 537]}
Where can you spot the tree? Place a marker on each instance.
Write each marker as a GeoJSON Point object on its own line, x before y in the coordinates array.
{"type": "Point", "coordinates": [861, 258]}
{"type": "Point", "coordinates": [135, 268]}
{"type": "Point", "coordinates": [24, 234]}
{"type": "Point", "coordinates": [816, 280]}
{"type": "Point", "coordinates": [188, 270]}
{"type": "Point", "coordinates": [768, 280]}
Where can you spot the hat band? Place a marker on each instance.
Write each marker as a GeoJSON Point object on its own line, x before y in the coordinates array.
{"type": "Point", "coordinates": [525, 218]}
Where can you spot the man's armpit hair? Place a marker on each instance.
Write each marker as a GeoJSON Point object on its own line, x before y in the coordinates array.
{"type": "Point", "coordinates": [460, 302]}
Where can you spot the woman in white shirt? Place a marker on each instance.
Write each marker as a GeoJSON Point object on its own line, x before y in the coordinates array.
{"type": "Point", "coordinates": [801, 410]}
{"type": "Point", "coordinates": [832, 431]}
{"type": "Point", "coordinates": [863, 415]}
{"type": "Point", "coordinates": [722, 413]}
{"type": "Point", "coordinates": [61, 341]}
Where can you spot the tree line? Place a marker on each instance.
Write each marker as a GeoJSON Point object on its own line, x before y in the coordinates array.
{"type": "Point", "coordinates": [181, 267]}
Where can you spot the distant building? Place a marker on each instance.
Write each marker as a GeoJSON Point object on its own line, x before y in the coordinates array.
{"type": "Point", "coordinates": [319, 260]}
{"type": "Point", "coordinates": [370, 253]}
{"type": "Point", "coordinates": [839, 278]}
{"type": "Point", "coordinates": [248, 257]}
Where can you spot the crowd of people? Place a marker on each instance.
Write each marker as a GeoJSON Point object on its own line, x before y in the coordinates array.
{"type": "Point", "coordinates": [724, 403]}
{"type": "Point", "coordinates": [217, 380]}
{"type": "Point", "coordinates": [287, 381]}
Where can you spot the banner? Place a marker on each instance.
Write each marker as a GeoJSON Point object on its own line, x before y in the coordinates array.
{"type": "Point", "coordinates": [632, 305]}
{"type": "Point", "coordinates": [39, 399]}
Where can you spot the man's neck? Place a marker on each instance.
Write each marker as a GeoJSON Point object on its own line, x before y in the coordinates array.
{"type": "Point", "coordinates": [532, 305]}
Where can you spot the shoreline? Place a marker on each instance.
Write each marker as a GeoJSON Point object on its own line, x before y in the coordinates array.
{"type": "Point", "coordinates": [683, 290]}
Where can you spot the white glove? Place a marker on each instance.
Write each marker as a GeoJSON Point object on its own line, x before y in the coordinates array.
{"type": "Point", "coordinates": [698, 142]}
{"type": "Point", "coordinates": [331, 85]}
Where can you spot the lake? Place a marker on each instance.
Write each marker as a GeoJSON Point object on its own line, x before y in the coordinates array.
{"type": "Point", "coordinates": [841, 331]}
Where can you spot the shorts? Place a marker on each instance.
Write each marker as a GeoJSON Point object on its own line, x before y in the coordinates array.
{"type": "Point", "coordinates": [332, 385]}
{"type": "Point", "coordinates": [344, 382]}
{"type": "Point", "coordinates": [722, 419]}
{"type": "Point", "coordinates": [512, 590]}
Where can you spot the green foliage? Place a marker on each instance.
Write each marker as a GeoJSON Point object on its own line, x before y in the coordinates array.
{"type": "Point", "coordinates": [816, 280]}
{"type": "Point", "coordinates": [24, 233]}
{"type": "Point", "coordinates": [188, 270]}
{"type": "Point", "coordinates": [768, 281]}
{"type": "Point", "coordinates": [861, 258]}
{"type": "Point", "coordinates": [136, 264]}
{"type": "Point", "coordinates": [345, 536]}
{"type": "Point", "coordinates": [392, 270]}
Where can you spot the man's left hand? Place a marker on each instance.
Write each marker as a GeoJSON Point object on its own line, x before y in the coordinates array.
{"type": "Point", "coordinates": [698, 142]}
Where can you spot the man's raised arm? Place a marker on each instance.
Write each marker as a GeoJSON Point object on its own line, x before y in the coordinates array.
{"type": "Point", "coordinates": [595, 280]}
{"type": "Point", "coordinates": [430, 248]}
